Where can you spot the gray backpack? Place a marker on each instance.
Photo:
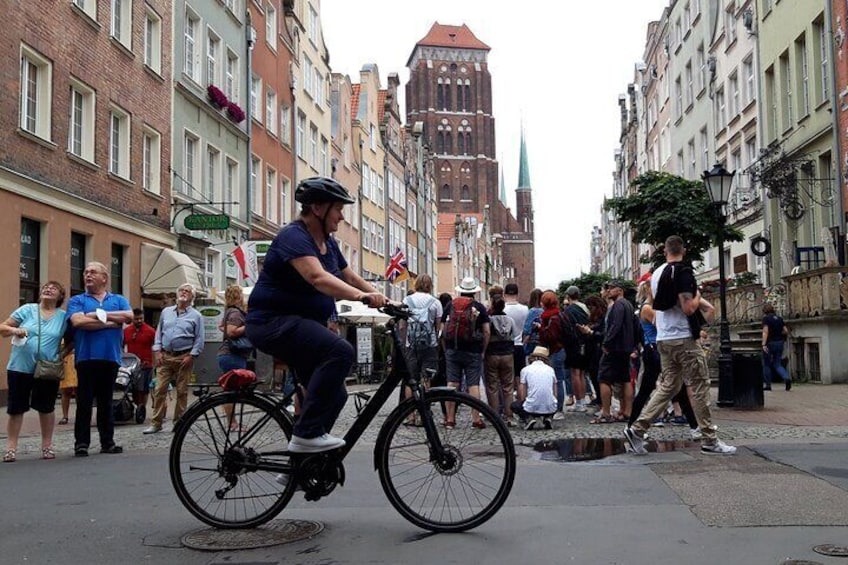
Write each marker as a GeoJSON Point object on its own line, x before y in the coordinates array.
{"type": "Point", "coordinates": [420, 329]}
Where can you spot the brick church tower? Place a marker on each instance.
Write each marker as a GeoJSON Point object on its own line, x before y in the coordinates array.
{"type": "Point", "coordinates": [450, 91]}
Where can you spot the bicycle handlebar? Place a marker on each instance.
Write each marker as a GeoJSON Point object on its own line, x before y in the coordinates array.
{"type": "Point", "coordinates": [396, 311]}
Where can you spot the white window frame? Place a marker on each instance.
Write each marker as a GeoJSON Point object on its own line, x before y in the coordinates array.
{"type": "Point", "coordinates": [231, 184]}
{"type": "Point", "coordinates": [270, 193]}
{"type": "Point", "coordinates": [191, 163]}
{"type": "Point", "coordinates": [300, 136]}
{"type": "Point", "coordinates": [231, 74]}
{"type": "Point", "coordinates": [255, 175]}
{"type": "Point", "coordinates": [119, 143]}
{"type": "Point", "coordinates": [36, 103]}
{"type": "Point", "coordinates": [825, 46]}
{"type": "Point", "coordinates": [805, 79]}
{"type": "Point", "coordinates": [212, 182]}
{"type": "Point", "coordinates": [285, 124]}
{"type": "Point", "coordinates": [366, 181]}
{"type": "Point", "coordinates": [121, 22]}
{"type": "Point", "coordinates": [325, 161]}
{"type": "Point", "coordinates": [153, 41]}
{"type": "Point", "coordinates": [88, 7]}
{"type": "Point", "coordinates": [285, 200]}
{"type": "Point", "coordinates": [750, 79]}
{"type": "Point", "coordinates": [312, 26]}
{"type": "Point", "coordinates": [191, 46]}
{"type": "Point", "coordinates": [213, 56]}
{"type": "Point", "coordinates": [151, 161]}
{"type": "Point", "coordinates": [271, 111]}
{"type": "Point", "coordinates": [308, 75]}
{"type": "Point", "coordinates": [313, 146]}
{"type": "Point", "coordinates": [372, 136]}
{"type": "Point", "coordinates": [212, 264]}
{"type": "Point", "coordinates": [255, 93]}
{"type": "Point", "coordinates": [271, 26]}
{"type": "Point", "coordinates": [81, 122]}
{"type": "Point", "coordinates": [733, 86]}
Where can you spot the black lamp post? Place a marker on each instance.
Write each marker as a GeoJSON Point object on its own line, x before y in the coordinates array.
{"type": "Point", "coordinates": [718, 182]}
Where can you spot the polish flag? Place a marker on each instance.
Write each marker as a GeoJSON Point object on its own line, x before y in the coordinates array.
{"type": "Point", "coordinates": [245, 256]}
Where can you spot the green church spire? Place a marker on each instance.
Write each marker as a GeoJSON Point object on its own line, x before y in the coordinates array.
{"type": "Point", "coordinates": [503, 187]}
{"type": "Point", "coordinates": [523, 167]}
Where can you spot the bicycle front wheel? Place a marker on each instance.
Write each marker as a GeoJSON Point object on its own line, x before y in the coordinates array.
{"type": "Point", "coordinates": [228, 463]}
{"type": "Point", "coordinates": [459, 488]}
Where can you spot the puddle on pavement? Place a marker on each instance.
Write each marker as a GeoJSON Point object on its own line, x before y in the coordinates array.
{"type": "Point", "coordinates": [592, 449]}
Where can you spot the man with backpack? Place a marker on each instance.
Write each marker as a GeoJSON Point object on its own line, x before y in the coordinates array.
{"type": "Point", "coordinates": [465, 336]}
{"type": "Point", "coordinates": [680, 353]}
{"type": "Point", "coordinates": [422, 328]}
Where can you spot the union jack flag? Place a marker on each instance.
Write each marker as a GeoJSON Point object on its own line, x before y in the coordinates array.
{"type": "Point", "coordinates": [397, 267]}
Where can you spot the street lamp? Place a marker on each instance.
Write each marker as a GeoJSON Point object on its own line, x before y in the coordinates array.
{"type": "Point", "coordinates": [718, 182]}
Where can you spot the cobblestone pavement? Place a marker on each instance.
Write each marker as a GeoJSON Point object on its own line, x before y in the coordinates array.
{"type": "Point", "coordinates": [809, 413]}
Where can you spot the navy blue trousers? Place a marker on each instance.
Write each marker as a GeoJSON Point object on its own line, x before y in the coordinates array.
{"type": "Point", "coordinates": [320, 359]}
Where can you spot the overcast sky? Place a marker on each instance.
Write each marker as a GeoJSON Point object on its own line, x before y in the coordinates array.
{"type": "Point", "coordinates": [558, 66]}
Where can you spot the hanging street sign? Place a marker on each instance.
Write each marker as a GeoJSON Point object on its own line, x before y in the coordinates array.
{"type": "Point", "coordinates": [207, 222]}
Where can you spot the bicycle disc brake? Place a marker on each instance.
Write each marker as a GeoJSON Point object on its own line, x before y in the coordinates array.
{"type": "Point", "coordinates": [319, 475]}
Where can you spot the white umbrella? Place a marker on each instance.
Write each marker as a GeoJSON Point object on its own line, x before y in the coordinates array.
{"type": "Point", "coordinates": [364, 315]}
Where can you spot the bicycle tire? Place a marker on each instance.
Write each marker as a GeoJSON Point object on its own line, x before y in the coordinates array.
{"type": "Point", "coordinates": [468, 492]}
{"type": "Point", "coordinates": [207, 455]}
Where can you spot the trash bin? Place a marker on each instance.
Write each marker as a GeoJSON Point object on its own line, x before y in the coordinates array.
{"type": "Point", "coordinates": [747, 379]}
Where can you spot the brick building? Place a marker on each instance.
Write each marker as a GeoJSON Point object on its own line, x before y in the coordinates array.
{"type": "Point", "coordinates": [450, 91]}
{"type": "Point", "coordinates": [85, 124]}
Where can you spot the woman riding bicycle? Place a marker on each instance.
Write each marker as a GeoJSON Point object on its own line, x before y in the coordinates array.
{"type": "Point", "coordinates": [304, 271]}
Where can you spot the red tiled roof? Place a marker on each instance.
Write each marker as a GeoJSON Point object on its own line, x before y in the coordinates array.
{"type": "Point", "coordinates": [445, 230]}
{"type": "Point", "coordinates": [354, 100]}
{"type": "Point", "coordinates": [452, 36]}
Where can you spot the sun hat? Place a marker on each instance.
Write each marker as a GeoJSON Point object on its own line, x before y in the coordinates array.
{"type": "Point", "coordinates": [540, 352]}
{"type": "Point", "coordinates": [468, 286]}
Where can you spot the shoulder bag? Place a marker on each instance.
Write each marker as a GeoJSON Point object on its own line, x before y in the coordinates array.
{"type": "Point", "coordinates": [46, 370]}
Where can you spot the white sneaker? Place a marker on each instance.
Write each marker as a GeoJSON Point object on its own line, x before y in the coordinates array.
{"type": "Point", "coordinates": [636, 443]}
{"type": "Point", "coordinates": [324, 442]}
{"type": "Point", "coordinates": [580, 407]}
{"type": "Point", "coordinates": [718, 448]}
{"type": "Point", "coordinates": [696, 434]}
{"type": "Point", "coordinates": [152, 430]}
{"type": "Point", "coordinates": [559, 415]}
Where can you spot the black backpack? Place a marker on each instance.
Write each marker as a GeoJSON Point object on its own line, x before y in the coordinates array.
{"type": "Point", "coordinates": [666, 296]}
{"type": "Point", "coordinates": [569, 337]}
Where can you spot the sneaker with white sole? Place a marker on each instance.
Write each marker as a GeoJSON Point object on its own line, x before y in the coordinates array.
{"type": "Point", "coordinates": [324, 442]}
{"type": "Point", "coordinates": [696, 434]}
{"type": "Point", "coordinates": [718, 448]}
{"type": "Point", "coordinates": [559, 415]}
{"type": "Point", "coordinates": [636, 442]}
{"type": "Point", "coordinates": [547, 424]}
{"type": "Point", "coordinates": [580, 408]}
{"type": "Point", "coordinates": [531, 424]}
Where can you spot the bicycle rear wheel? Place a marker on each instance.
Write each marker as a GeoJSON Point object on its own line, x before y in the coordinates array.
{"type": "Point", "coordinates": [219, 463]}
{"type": "Point", "coordinates": [464, 488]}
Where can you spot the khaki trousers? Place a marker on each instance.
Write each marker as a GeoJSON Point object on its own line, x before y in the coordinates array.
{"type": "Point", "coordinates": [682, 361]}
{"type": "Point", "coordinates": [170, 370]}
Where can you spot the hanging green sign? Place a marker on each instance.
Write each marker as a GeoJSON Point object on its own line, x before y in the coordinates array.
{"type": "Point", "coordinates": [207, 222]}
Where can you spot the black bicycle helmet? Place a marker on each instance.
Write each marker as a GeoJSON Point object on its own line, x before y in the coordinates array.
{"type": "Point", "coordinates": [321, 189]}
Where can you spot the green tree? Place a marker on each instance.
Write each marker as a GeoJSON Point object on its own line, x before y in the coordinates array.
{"type": "Point", "coordinates": [588, 283]}
{"type": "Point", "coordinates": [664, 205]}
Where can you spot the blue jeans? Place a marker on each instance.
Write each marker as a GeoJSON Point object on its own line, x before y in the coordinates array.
{"type": "Point", "coordinates": [772, 362]}
{"type": "Point", "coordinates": [230, 361]}
{"type": "Point", "coordinates": [320, 359]}
{"type": "Point", "coordinates": [558, 363]}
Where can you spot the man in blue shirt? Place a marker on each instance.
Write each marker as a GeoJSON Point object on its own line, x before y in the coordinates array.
{"type": "Point", "coordinates": [98, 317]}
{"type": "Point", "coordinates": [179, 340]}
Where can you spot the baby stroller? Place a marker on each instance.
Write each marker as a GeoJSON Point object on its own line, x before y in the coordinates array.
{"type": "Point", "coordinates": [123, 407]}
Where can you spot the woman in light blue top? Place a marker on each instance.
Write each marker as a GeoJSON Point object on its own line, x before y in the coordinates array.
{"type": "Point", "coordinates": [36, 331]}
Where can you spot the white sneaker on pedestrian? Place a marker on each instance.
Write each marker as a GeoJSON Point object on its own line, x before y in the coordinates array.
{"type": "Point", "coordinates": [718, 448]}
{"type": "Point", "coordinates": [636, 443]}
{"type": "Point", "coordinates": [324, 442]}
{"type": "Point", "coordinates": [531, 424]}
{"type": "Point", "coordinates": [152, 430]}
{"type": "Point", "coordinates": [580, 408]}
{"type": "Point", "coordinates": [696, 434]}
{"type": "Point", "coordinates": [547, 424]}
{"type": "Point", "coordinates": [559, 415]}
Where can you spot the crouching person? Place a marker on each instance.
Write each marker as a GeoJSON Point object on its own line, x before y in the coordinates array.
{"type": "Point", "coordinates": [537, 399]}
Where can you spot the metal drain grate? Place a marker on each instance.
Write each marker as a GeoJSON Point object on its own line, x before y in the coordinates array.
{"type": "Point", "coordinates": [831, 550]}
{"type": "Point", "coordinates": [276, 532]}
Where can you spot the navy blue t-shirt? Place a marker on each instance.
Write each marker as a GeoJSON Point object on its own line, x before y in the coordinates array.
{"type": "Point", "coordinates": [775, 325]}
{"type": "Point", "coordinates": [281, 290]}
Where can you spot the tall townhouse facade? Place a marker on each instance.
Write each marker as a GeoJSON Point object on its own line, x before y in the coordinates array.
{"type": "Point", "coordinates": [346, 167]}
{"type": "Point", "coordinates": [272, 158]}
{"type": "Point", "coordinates": [797, 171]}
{"type": "Point", "coordinates": [210, 165]}
{"type": "Point", "coordinates": [839, 29]}
{"type": "Point", "coordinates": [311, 93]}
{"type": "Point", "coordinates": [422, 212]}
{"type": "Point", "coordinates": [397, 201]}
{"type": "Point", "coordinates": [450, 92]}
{"type": "Point", "coordinates": [731, 68]}
{"type": "Point", "coordinates": [372, 158]}
{"type": "Point", "coordinates": [85, 126]}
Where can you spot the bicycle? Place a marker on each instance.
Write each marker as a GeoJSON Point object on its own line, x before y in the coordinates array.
{"type": "Point", "coordinates": [231, 468]}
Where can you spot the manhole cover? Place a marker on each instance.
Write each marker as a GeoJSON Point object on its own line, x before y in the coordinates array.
{"type": "Point", "coordinates": [831, 550]}
{"type": "Point", "coordinates": [276, 532]}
